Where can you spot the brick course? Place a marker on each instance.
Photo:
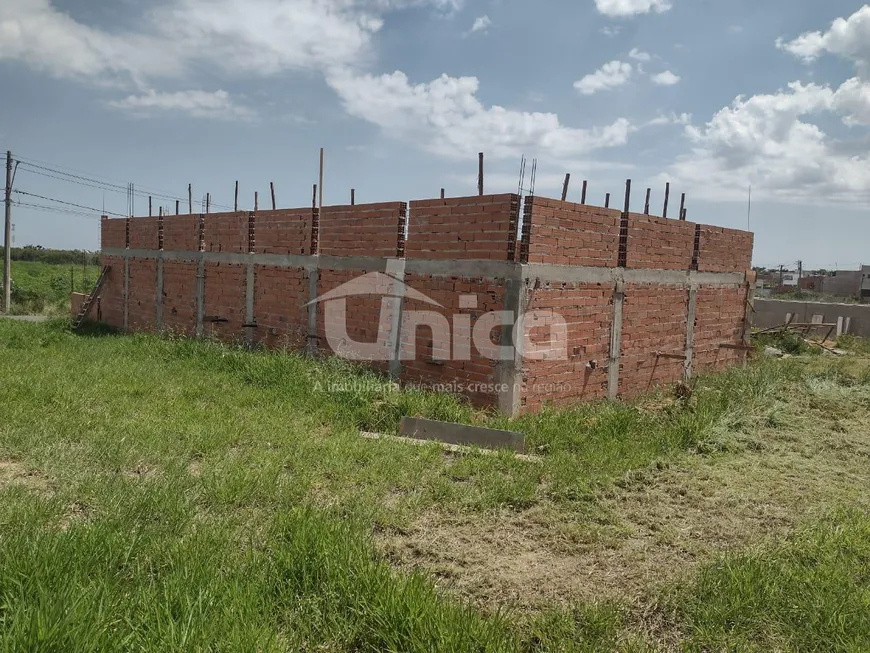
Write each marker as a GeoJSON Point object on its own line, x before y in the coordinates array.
{"type": "Point", "coordinates": [363, 229]}
{"type": "Point", "coordinates": [564, 233]}
{"type": "Point", "coordinates": [478, 227]}
{"type": "Point", "coordinates": [724, 250]}
{"type": "Point", "coordinates": [659, 243]}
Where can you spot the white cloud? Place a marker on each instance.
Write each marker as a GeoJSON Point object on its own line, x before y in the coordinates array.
{"type": "Point", "coordinates": [667, 78]}
{"type": "Point", "coordinates": [767, 140]}
{"type": "Point", "coordinates": [847, 37]}
{"type": "Point", "coordinates": [624, 8]}
{"type": "Point", "coordinates": [199, 104]}
{"type": "Point", "coordinates": [481, 24]}
{"type": "Point", "coordinates": [609, 31]}
{"type": "Point", "coordinates": [639, 55]}
{"type": "Point", "coordinates": [852, 101]}
{"type": "Point", "coordinates": [259, 37]}
{"type": "Point", "coordinates": [445, 117]}
{"type": "Point", "coordinates": [609, 76]}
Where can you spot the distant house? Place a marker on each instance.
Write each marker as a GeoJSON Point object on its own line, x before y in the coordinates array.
{"type": "Point", "coordinates": [865, 282]}
{"type": "Point", "coordinates": [790, 279]}
{"type": "Point", "coordinates": [847, 283]}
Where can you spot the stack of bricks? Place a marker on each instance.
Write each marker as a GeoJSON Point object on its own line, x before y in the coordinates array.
{"type": "Point", "coordinates": [563, 233]}
{"type": "Point", "coordinates": [481, 227]}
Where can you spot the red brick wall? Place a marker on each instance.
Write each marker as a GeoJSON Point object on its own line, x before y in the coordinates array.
{"type": "Point", "coordinates": [478, 227]}
{"type": "Point", "coordinates": [588, 310]}
{"type": "Point", "coordinates": [143, 233]}
{"type": "Point", "coordinates": [181, 233]}
{"type": "Point", "coordinates": [659, 243]}
{"type": "Point", "coordinates": [476, 376]}
{"type": "Point", "coordinates": [724, 250]}
{"type": "Point", "coordinates": [224, 298]}
{"type": "Point", "coordinates": [456, 228]}
{"type": "Point", "coordinates": [363, 311]}
{"type": "Point", "coordinates": [142, 305]}
{"type": "Point", "coordinates": [363, 230]}
{"type": "Point", "coordinates": [179, 297]}
{"type": "Point", "coordinates": [113, 233]}
{"type": "Point", "coordinates": [226, 232]}
{"type": "Point", "coordinates": [654, 320]}
{"type": "Point", "coordinates": [280, 295]}
{"type": "Point", "coordinates": [564, 233]}
{"type": "Point", "coordinates": [286, 231]}
{"type": "Point", "coordinates": [111, 299]}
{"type": "Point", "coordinates": [719, 319]}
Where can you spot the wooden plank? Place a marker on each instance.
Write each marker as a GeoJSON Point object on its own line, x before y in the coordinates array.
{"type": "Point", "coordinates": [424, 429]}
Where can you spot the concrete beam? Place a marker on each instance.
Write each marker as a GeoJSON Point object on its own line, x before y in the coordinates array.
{"type": "Point", "coordinates": [461, 434]}
{"type": "Point", "coordinates": [486, 269]}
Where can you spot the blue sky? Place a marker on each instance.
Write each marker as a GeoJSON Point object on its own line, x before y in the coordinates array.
{"type": "Point", "coordinates": [710, 95]}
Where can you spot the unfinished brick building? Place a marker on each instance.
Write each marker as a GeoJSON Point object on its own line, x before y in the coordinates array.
{"type": "Point", "coordinates": [647, 300]}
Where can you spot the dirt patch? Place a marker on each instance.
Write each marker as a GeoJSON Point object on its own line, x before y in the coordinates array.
{"type": "Point", "coordinates": [662, 522]}
{"type": "Point", "coordinates": [15, 474]}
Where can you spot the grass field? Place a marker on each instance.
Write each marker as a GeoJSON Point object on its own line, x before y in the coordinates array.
{"type": "Point", "coordinates": [162, 494]}
{"type": "Point", "coordinates": [44, 288]}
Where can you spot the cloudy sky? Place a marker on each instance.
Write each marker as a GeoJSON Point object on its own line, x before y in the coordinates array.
{"type": "Point", "coordinates": [711, 95]}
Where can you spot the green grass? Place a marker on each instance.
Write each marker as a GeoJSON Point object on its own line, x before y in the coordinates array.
{"type": "Point", "coordinates": [854, 344]}
{"type": "Point", "coordinates": [44, 288]}
{"type": "Point", "coordinates": [809, 594]}
{"type": "Point", "coordinates": [183, 495]}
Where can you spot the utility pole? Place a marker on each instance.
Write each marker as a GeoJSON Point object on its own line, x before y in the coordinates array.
{"type": "Point", "coordinates": [800, 271]}
{"type": "Point", "coordinates": [7, 238]}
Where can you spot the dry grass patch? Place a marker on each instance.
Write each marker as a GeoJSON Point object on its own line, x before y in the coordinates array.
{"type": "Point", "coordinates": [656, 525]}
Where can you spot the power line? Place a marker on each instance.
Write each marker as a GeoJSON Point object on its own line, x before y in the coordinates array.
{"type": "Point", "coordinates": [78, 206]}
{"type": "Point", "coordinates": [55, 209]}
{"type": "Point", "coordinates": [33, 166]}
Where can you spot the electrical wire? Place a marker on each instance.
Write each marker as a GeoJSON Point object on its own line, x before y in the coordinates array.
{"type": "Point", "coordinates": [78, 206]}
{"type": "Point", "coordinates": [34, 166]}
{"type": "Point", "coordinates": [55, 209]}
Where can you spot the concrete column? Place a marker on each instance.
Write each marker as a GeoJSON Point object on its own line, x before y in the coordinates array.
{"type": "Point", "coordinates": [690, 332]}
{"type": "Point", "coordinates": [126, 292]}
{"type": "Point", "coordinates": [200, 294]}
{"type": "Point", "coordinates": [249, 304]}
{"type": "Point", "coordinates": [313, 281]}
{"type": "Point", "coordinates": [396, 305]}
{"type": "Point", "coordinates": [615, 340]}
{"type": "Point", "coordinates": [509, 373]}
{"type": "Point", "coordinates": [158, 311]}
